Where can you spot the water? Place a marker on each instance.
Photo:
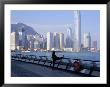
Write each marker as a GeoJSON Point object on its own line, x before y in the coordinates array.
{"type": "Point", "coordinates": [81, 55]}
{"type": "Point", "coordinates": [95, 56]}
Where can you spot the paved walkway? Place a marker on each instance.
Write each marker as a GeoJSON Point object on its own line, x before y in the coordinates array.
{"type": "Point", "coordinates": [22, 69]}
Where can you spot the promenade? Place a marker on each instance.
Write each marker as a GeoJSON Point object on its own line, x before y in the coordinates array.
{"type": "Point", "coordinates": [22, 69]}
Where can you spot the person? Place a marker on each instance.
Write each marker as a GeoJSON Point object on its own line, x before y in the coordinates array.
{"type": "Point", "coordinates": [54, 58]}
{"type": "Point", "coordinates": [77, 66]}
{"type": "Point", "coordinates": [92, 68]}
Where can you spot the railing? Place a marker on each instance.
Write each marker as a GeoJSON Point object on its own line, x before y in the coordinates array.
{"type": "Point", "coordinates": [64, 63]}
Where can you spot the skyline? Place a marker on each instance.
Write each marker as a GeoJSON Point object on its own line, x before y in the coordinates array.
{"type": "Point", "coordinates": [55, 21]}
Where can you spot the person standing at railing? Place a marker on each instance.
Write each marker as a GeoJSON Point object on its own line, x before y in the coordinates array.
{"type": "Point", "coordinates": [54, 58]}
{"type": "Point", "coordinates": [92, 68]}
{"type": "Point", "coordinates": [77, 66]}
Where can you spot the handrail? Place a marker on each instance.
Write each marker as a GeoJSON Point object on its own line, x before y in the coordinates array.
{"type": "Point", "coordinates": [62, 58]}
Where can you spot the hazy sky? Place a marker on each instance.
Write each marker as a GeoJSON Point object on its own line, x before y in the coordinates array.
{"type": "Point", "coordinates": [55, 21]}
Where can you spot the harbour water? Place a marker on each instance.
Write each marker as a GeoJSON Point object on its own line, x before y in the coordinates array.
{"type": "Point", "coordinates": [95, 56]}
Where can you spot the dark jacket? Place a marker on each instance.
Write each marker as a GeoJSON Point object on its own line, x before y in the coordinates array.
{"type": "Point", "coordinates": [54, 57]}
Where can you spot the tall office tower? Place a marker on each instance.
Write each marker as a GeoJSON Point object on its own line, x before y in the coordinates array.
{"type": "Point", "coordinates": [41, 42]}
{"type": "Point", "coordinates": [69, 32]}
{"type": "Point", "coordinates": [56, 40]}
{"type": "Point", "coordinates": [30, 40]}
{"type": "Point", "coordinates": [61, 40]}
{"type": "Point", "coordinates": [21, 33]}
{"type": "Point", "coordinates": [36, 44]}
{"type": "Point", "coordinates": [77, 31]}
{"type": "Point", "coordinates": [37, 41]}
{"type": "Point", "coordinates": [13, 41]}
{"type": "Point", "coordinates": [94, 44]}
{"type": "Point", "coordinates": [49, 41]}
{"type": "Point", "coordinates": [20, 36]}
{"type": "Point", "coordinates": [25, 42]}
{"type": "Point", "coordinates": [87, 40]}
{"type": "Point", "coordinates": [69, 38]}
{"type": "Point", "coordinates": [45, 43]}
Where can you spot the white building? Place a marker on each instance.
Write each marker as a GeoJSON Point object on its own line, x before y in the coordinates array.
{"type": "Point", "coordinates": [68, 49]}
{"type": "Point", "coordinates": [49, 41]}
{"type": "Point", "coordinates": [61, 40]}
{"type": "Point", "coordinates": [87, 40]}
{"type": "Point", "coordinates": [13, 41]}
{"type": "Point", "coordinates": [77, 31]}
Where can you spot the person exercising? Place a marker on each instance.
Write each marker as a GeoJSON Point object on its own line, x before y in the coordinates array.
{"type": "Point", "coordinates": [54, 58]}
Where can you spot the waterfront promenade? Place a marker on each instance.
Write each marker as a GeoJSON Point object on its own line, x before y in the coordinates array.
{"type": "Point", "coordinates": [22, 69]}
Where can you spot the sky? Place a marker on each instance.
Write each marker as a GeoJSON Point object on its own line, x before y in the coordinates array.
{"type": "Point", "coordinates": [44, 21]}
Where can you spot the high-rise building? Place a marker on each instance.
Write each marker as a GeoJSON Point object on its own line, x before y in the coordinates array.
{"type": "Point", "coordinates": [30, 40]}
{"type": "Point", "coordinates": [87, 40]}
{"type": "Point", "coordinates": [36, 44]}
{"type": "Point", "coordinates": [13, 41]}
{"type": "Point", "coordinates": [45, 43]}
{"type": "Point", "coordinates": [25, 42]}
{"type": "Point", "coordinates": [61, 40]}
{"type": "Point", "coordinates": [36, 41]}
{"type": "Point", "coordinates": [49, 41]}
{"type": "Point", "coordinates": [21, 38]}
{"type": "Point", "coordinates": [41, 42]}
{"type": "Point", "coordinates": [56, 41]}
{"type": "Point", "coordinates": [69, 32]}
{"type": "Point", "coordinates": [77, 31]}
{"type": "Point", "coordinates": [69, 41]}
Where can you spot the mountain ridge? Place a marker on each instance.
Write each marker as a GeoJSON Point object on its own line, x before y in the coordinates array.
{"type": "Point", "coordinates": [28, 29]}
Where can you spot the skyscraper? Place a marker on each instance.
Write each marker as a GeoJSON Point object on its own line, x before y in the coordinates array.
{"type": "Point", "coordinates": [36, 41]}
{"type": "Point", "coordinates": [30, 39]}
{"type": "Point", "coordinates": [69, 38]}
{"type": "Point", "coordinates": [49, 41]}
{"type": "Point", "coordinates": [45, 43]}
{"type": "Point", "coordinates": [13, 42]}
{"type": "Point", "coordinates": [87, 40]}
{"type": "Point", "coordinates": [69, 32]}
{"type": "Point", "coordinates": [41, 42]}
{"type": "Point", "coordinates": [25, 42]}
{"type": "Point", "coordinates": [56, 40]}
{"type": "Point", "coordinates": [21, 34]}
{"type": "Point", "coordinates": [20, 37]}
{"type": "Point", "coordinates": [77, 33]}
{"type": "Point", "coordinates": [61, 40]}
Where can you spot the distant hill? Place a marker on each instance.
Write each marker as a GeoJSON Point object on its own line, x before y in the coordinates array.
{"type": "Point", "coordinates": [28, 30]}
